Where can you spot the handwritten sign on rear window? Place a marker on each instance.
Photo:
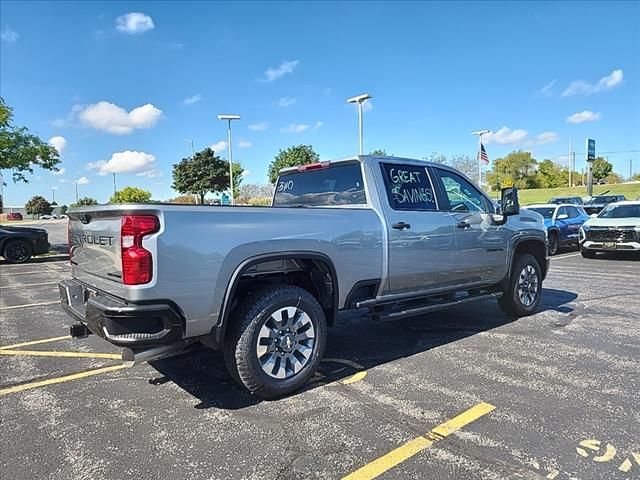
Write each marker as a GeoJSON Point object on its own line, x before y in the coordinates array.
{"type": "Point", "coordinates": [408, 187]}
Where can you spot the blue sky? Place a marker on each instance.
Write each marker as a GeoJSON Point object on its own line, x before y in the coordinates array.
{"type": "Point", "coordinates": [124, 91]}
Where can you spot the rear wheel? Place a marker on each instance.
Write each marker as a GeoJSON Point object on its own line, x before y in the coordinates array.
{"type": "Point", "coordinates": [522, 295]}
{"type": "Point", "coordinates": [553, 243]}
{"type": "Point", "coordinates": [276, 341]}
{"type": "Point", "coordinates": [17, 251]}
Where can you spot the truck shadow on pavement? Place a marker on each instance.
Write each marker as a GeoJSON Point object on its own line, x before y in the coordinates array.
{"type": "Point", "coordinates": [356, 341]}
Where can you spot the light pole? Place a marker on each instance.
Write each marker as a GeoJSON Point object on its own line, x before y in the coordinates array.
{"type": "Point", "coordinates": [193, 150]}
{"type": "Point", "coordinates": [76, 183]}
{"type": "Point", "coordinates": [115, 190]}
{"type": "Point", "coordinates": [53, 193]}
{"type": "Point", "coordinates": [479, 133]}
{"type": "Point", "coordinates": [229, 118]}
{"type": "Point", "coordinates": [360, 99]}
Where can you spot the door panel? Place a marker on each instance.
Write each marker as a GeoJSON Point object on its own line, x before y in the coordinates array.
{"type": "Point", "coordinates": [421, 238]}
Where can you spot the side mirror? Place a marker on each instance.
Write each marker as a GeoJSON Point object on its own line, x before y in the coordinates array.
{"type": "Point", "coordinates": [510, 202]}
{"type": "Point", "coordinates": [562, 216]}
{"type": "Point", "coordinates": [593, 215]}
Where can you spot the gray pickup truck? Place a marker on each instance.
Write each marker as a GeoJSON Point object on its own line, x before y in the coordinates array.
{"type": "Point", "coordinates": [393, 236]}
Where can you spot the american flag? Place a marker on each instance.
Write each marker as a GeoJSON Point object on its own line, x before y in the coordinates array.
{"type": "Point", "coordinates": [482, 155]}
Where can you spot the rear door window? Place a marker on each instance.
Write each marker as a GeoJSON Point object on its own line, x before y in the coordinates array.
{"type": "Point", "coordinates": [408, 187]}
{"type": "Point", "coordinates": [339, 184]}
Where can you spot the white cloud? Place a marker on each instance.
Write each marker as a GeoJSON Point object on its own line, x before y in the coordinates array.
{"type": "Point", "coordinates": [581, 87]}
{"type": "Point", "coordinates": [8, 35]}
{"type": "Point", "coordinates": [285, 67]}
{"type": "Point", "coordinates": [58, 142]}
{"type": "Point", "coordinates": [153, 173]}
{"type": "Point", "coordinates": [259, 127]}
{"type": "Point", "coordinates": [83, 181]}
{"type": "Point", "coordinates": [244, 143]}
{"type": "Point", "coordinates": [245, 173]}
{"type": "Point", "coordinates": [505, 136]}
{"type": "Point", "coordinates": [519, 136]}
{"type": "Point", "coordinates": [123, 162]}
{"type": "Point", "coordinates": [59, 172]}
{"type": "Point", "coordinates": [546, 90]}
{"type": "Point", "coordinates": [111, 118]}
{"type": "Point", "coordinates": [192, 100]}
{"type": "Point", "coordinates": [367, 106]}
{"type": "Point", "coordinates": [318, 125]}
{"type": "Point", "coordinates": [286, 101]}
{"type": "Point", "coordinates": [295, 128]}
{"type": "Point", "coordinates": [584, 116]}
{"type": "Point", "coordinates": [134, 22]}
{"type": "Point", "coordinates": [219, 147]}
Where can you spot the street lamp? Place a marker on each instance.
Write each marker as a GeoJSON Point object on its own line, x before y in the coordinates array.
{"type": "Point", "coordinates": [360, 99]}
{"type": "Point", "coordinates": [479, 133]}
{"type": "Point", "coordinates": [76, 183]}
{"type": "Point", "coordinates": [53, 191]}
{"type": "Point", "coordinates": [229, 118]}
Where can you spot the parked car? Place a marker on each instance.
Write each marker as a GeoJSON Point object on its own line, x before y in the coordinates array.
{"type": "Point", "coordinates": [596, 203]}
{"type": "Point", "coordinates": [616, 228]}
{"type": "Point", "coordinates": [14, 216]}
{"type": "Point", "coordinates": [48, 217]}
{"type": "Point", "coordinates": [19, 244]}
{"type": "Point", "coordinates": [565, 200]}
{"type": "Point", "coordinates": [394, 237]}
{"type": "Point", "coordinates": [562, 222]}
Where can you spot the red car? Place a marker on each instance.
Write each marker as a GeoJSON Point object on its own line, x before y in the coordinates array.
{"type": "Point", "coordinates": [14, 216]}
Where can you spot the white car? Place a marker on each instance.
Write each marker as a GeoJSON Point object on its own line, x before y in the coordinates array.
{"type": "Point", "coordinates": [48, 217]}
{"type": "Point", "coordinates": [615, 228]}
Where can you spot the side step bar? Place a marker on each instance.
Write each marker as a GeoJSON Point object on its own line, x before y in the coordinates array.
{"type": "Point", "coordinates": [413, 311]}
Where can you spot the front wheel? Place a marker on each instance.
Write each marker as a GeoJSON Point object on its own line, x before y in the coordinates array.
{"type": "Point", "coordinates": [276, 341]}
{"type": "Point", "coordinates": [17, 251]}
{"type": "Point", "coordinates": [522, 295]}
{"type": "Point", "coordinates": [553, 243]}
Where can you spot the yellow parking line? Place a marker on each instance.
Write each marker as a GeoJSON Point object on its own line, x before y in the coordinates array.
{"type": "Point", "coordinates": [40, 353]}
{"type": "Point", "coordinates": [27, 305]}
{"type": "Point", "coordinates": [29, 285]}
{"type": "Point", "coordinates": [66, 378]}
{"type": "Point", "coordinates": [35, 342]}
{"type": "Point", "coordinates": [409, 449]}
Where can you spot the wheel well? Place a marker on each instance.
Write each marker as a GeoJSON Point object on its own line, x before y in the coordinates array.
{"type": "Point", "coordinates": [12, 239]}
{"type": "Point", "coordinates": [314, 273]}
{"type": "Point", "coordinates": [535, 248]}
{"type": "Point", "coordinates": [553, 231]}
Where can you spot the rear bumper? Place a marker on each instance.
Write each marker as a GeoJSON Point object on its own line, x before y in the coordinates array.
{"type": "Point", "coordinates": [119, 322]}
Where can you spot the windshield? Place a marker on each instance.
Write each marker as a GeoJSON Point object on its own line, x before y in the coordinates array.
{"type": "Point", "coordinates": [620, 211]}
{"type": "Point", "coordinates": [546, 212]}
{"type": "Point", "coordinates": [602, 199]}
{"type": "Point", "coordinates": [340, 184]}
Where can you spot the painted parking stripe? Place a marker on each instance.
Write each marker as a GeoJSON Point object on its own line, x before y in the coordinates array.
{"type": "Point", "coordinates": [66, 378]}
{"type": "Point", "coordinates": [560, 257]}
{"type": "Point", "coordinates": [13, 274]}
{"type": "Point", "coordinates": [409, 449]}
{"type": "Point", "coordinates": [28, 305]}
{"type": "Point", "coordinates": [42, 353]}
{"type": "Point", "coordinates": [36, 342]}
{"type": "Point", "coordinates": [29, 285]}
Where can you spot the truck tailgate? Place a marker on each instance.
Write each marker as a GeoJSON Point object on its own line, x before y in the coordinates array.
{"type": "Point", "coordinates": [94, 239]}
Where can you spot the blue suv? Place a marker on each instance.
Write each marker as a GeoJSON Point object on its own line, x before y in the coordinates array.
{"type": "Point", "coordinates": [563, 223]}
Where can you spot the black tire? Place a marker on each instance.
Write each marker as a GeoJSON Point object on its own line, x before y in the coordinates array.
{"type": "Point", "coordinates": [17, 251]}
{"type": "Point", "coordinates": [553, 243]}
{"type": "Point", "coordinates": [587, 253]}
{"type": "Point", "coordinates": [241, 342]}
{"type": "Point", "coordinates": [511, 302]}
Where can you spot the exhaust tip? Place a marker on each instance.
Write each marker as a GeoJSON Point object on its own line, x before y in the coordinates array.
{"type": "Point", "coordinates": [128, 357]}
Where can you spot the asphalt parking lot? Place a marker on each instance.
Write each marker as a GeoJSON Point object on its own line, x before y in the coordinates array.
{"type": "Point", "coordinates": [465, 393]}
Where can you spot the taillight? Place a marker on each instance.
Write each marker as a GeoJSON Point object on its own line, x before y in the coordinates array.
{"type": "Point", "coordinates": [137, 262]}
{"type": "Point", "coordinates": [313, 166]}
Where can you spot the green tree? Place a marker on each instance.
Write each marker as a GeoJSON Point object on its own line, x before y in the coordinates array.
{"type": "Point", "coordinates": [600, 168]}
{"type": "Point", "coordinates": [130, 195]}
{"type": "Point", "coordinates": [183, 199]}
{"type": "Point", "coordinates": [636, 176]}
{"type": "Point", "coordinates": [38, 205]}
{"type": "Point", "coordinates": [516, 169]}
{"type": "Point", "coordinates": [614, 177]}
{"type": "Point", "coordinates": [292, 157]}
{"type": "Point", "coordinates": [205, 172]}
{"type": "Point", "coordinates": [63, 209]}
{"type": "Point", "coordinates": [20, 150]}
{"type": "Point", "coordinates": [84, 202]}
{"type": "Point", "coordinates": [551, 175]}
{"type": "Point", "coordinates": [380, 152]}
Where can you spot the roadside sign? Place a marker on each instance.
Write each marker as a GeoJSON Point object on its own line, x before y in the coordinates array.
{"type": "Point", "coordinates": [591, 150]}
{"type": "Point", "coordinates": [225, 199]}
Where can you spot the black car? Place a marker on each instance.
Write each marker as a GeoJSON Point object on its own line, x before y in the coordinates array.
{"type": "Point", "coordinates": [598, 202]}
{"type": "Point", "coordinates": [19, 244]}
{"type": "Point", "coordinates": [571, 200]}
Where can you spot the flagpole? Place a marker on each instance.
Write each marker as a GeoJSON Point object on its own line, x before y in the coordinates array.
{"type": "Point", "coordinates": [479, 133]}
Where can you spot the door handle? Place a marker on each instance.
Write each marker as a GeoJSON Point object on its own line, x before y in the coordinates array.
{"type": "Point", "coordinates": [463, 224]}
{"type": "Point", "coordinates": [401, 226]}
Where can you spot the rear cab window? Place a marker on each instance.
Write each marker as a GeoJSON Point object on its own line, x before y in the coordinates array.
{"type": "Point", "coordinates": [321, 185]}
{"type": "Point", "coordinates": [408, 187]}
